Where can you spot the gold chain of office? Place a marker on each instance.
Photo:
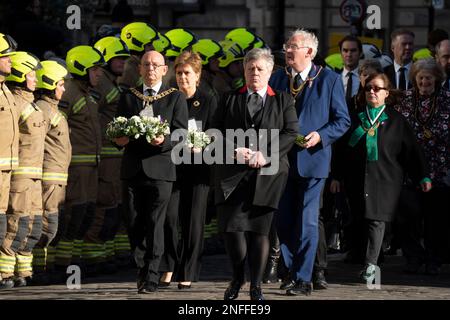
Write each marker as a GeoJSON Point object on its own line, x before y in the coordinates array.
{"type": "Point", "coordinates": [151, 99]}
{"type": "Point", "coordinates": [296, 91]}
{"type": "Point", "coordinates": [425, 123]}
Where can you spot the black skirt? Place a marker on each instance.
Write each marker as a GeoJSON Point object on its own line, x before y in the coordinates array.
{"type": "Point", "coordinates": [238, 214]}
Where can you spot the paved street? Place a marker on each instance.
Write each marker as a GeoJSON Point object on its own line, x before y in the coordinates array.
{"type": "Point", "coordinates": [344, 285]}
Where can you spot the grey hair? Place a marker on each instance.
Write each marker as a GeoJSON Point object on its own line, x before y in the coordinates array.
{"type": "Point", "coordinates": [429, 65]}
{"type": "Point", "coordinates": [260, 53]}
{"type": "Point", "coordinates": [309, 40]}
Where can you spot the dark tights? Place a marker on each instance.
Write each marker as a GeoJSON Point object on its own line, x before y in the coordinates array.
{"type": "Point", "coordinates": [239, 245]}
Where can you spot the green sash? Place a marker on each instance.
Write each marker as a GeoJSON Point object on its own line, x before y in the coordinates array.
{"type": "Point", "coordinates": [371, 140]}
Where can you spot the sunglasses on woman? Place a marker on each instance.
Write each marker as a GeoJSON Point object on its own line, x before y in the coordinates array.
{"type": "Point", "coordinates": [374, 88]}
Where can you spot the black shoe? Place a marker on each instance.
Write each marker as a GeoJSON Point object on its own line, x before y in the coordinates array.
{"type": "Point", "coordinates": [232, 291]}
{"type": "Point", "coordinates": [6, 284]}
{"type": "Point", "coordinates": [20, 282]}
{"type": "Point", "coordinates": [183, 286]}
{"type": "Point", "coordinates": [300, 288]}
{"type": "Point", "coordinates": [149, 287]}
{"type": "Point", "coordinates": [271, 272]}
{"type": "Point", "coordinates": [319, 282]}
{"type": "Point", "coordinates": [256, 294]}
{"type": "Point", "coordinates": [287, 284]}
{"type": "Point", "coordinates": [163, 285]}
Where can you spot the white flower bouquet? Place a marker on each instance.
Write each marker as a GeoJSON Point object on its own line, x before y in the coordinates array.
{"type": "Point", "coordinates": [155, 127]}
{"type": "Point", "coordinates": [136, 127]}
{"type": "Point", "coordinates": [117, 128]}
{"type": "Point", "coordinates": [197, 139]}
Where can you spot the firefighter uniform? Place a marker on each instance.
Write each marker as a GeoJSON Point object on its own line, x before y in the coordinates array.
{"type": "Point", "coordinates": [130, 77]}
{"type": "Point", "coordinates": [9, 139]}
{"type": "Point", "coordinates": [25, 199]}
{"type": "Point", "coordinates": [9, 148]}
{"type": "Point", "coordinates": [98, 245]}
{"type": "Point", "coordinates": [57, 156]}
{"type": "Point", "coordinates": [79, 106]}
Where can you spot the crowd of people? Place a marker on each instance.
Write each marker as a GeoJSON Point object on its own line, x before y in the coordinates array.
{"type": "Point", "coordinates": [375, 135]}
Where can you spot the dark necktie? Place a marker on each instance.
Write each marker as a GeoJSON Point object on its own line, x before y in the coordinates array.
{"type": "Point", "coordinates": [348, 93]}
{"type": "Point", "coordinates": [402, 79]}
{"type": "Point", "coordinates": [254, 103]}
{"type": "Point", "coordinates": [447, 84]}
{"type": "Point", "coordinates": [150, 92]}
{"type": "Point", "coordinates": [298, 80]}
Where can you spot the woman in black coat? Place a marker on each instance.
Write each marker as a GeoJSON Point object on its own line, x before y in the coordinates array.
{"type": "Point", "coordinates": [380, 149]}
{"type": "Point", "coordinates": [189, 197]}
{"type": "Point", "coordinates": [249, 187]}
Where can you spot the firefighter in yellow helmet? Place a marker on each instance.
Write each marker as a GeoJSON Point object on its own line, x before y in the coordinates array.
{"type": "Point", "coordinates": [139, 38]}
{"type": "Point", "coordinates": [180, 40]}
{"type": "Point", "coordinates": [162, 44]}
{"type": "Point", "coordinates": [24, 214]}
{"type": "Point", "coordinates": [209, 51]}
{"type": "Point", "coordinates": [79, 104]}
{"type": "Point", "coordinates": [99, 245]}
{"type": "Point", "coordinates": [9, 139]}
{"type": "Point", "coordinates": [231, 76]}
{"type": "Point", "coordinates": [57, 156]}
{"type": "Point", "coordinates": [246, 39]}
{"type": "Point", "coordinates": [423, 53]}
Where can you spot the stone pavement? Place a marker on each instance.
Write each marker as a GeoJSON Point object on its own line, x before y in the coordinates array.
{"type": "Point", "coordinates": [343, 280]}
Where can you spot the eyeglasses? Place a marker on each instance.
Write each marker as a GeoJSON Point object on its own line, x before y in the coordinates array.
{"type": "Point", "coordinates": [293, 47]}
{"type": "Point", "coordinates": [154, 66]}
{"type": "Point", "coordinates": [374, 88]}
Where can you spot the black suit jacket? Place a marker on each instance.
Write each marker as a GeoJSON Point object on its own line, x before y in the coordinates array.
{"type": "Point", "coordinates": [390, 72]}
{"type": "Point", "coordinates": [201, 107]}
{"type": "Point", "coordinates": [278, 113]}
{"type": "Point", "coordinates": [140, 156]}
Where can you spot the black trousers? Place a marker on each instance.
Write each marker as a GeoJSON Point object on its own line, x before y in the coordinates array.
{"type": "Point", "coordinates": [193, 204]}
{"type": "Point", "coordinates": [151, 198]}
{"type": "Point", "coordinates": [375, 234]}
{"type": "Point", "coordinates": [170, 257]}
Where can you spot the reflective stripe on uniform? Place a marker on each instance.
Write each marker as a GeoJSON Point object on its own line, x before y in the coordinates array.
{"type": "Point", "coordinates": [84, 158]}
{"type": "Point", "coordinates": [93, 251]}
{"type": "Point", "coordinates": [27, 170]}
{"type": "Point", "coordinates": [8, 161]}
{"type": "Point", "coordinates": [24, 263]}
{"type": "Point", "coordinates": [54, 176]}
{"type": "Point", "coordinates": [79, 105]}
{"type": "Point", "coordinates": [29, 109]}
{"type": "Point", "coordinates": [55, 120]}
{"type": "Point", "coordinates": [112, 95]}
{"type": "Point", "coordinates": [111, 151]}
{"type": "Point", "coordinates": [7, 263]}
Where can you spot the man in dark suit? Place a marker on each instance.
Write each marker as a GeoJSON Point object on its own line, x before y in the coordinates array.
{"type": "Point", "coordinates": [322, 118]}
{"type": "Point", "coordinates": [147, 167]}
{"type": "Point", "coordinates": [402, 45]}
{"type": "Point", "coordinates": [443, 59]}
{"type": "Point", "coordinates": [351, 51]}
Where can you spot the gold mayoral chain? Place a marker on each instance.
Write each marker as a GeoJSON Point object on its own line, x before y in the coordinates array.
{"type": "Point", "coordinates": [151, 99]}
{"type": "Point", "coordinates": [426, 132]}
{"type": "Point", "coordinates": [296, 91]}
